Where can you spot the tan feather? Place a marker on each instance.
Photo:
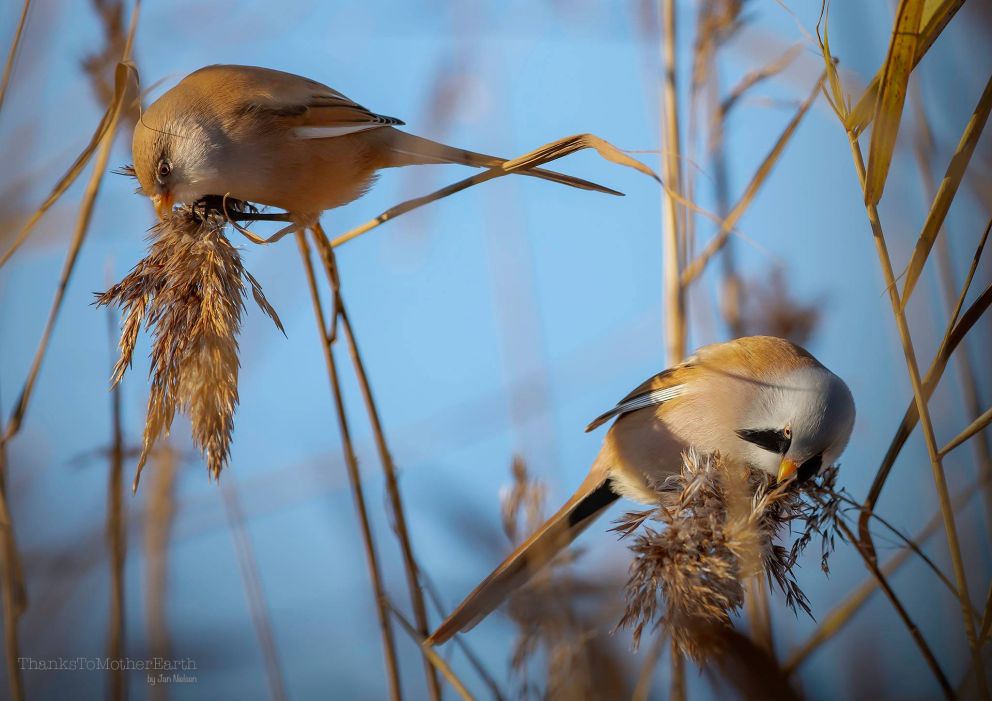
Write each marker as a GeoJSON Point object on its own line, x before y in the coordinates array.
{"type": "Point", "coordinates": [557, 533]}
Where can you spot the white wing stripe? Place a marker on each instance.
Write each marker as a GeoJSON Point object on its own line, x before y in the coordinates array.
{"type": "Point", "coordinates": [330, 132]}
{"type": "Point", "coordinates": [652, 398]}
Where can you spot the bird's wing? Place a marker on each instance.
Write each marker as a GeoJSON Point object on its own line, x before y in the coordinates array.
{"type": "Point", "coordinates": [311, 109]}
{"type": "Point", "coordinates": [658, 389]}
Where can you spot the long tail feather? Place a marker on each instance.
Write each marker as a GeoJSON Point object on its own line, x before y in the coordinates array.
{"type": "Point", "coordinates": [556, 534]}
{"type": "Point", "coordinates": [407, 149]}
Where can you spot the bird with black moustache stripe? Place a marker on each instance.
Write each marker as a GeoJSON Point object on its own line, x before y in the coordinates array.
{"type": "Point", "coordinates": [760, 402]}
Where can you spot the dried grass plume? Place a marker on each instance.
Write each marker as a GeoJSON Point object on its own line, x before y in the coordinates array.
{"type": "Point", "coordinates": [190, 292]}
{"type": "Point", "coordinates": [720, 531]}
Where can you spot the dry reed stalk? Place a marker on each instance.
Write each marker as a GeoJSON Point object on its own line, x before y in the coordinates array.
{"type": "Point", "coordinates": [398, 513]}
{"type": "Point", "coordinates": [8, 68]}
{"type": "Point", "coordinates": [834, 621]}
{"type": "Point", "coordinates": [432, 657]}
{"type": "Point", "coordinates": [957, 330]}
{"type": "Point", "coordinates": [973, 429]}
{"type": "Point", "coordinates": [677, 690]}
{"type": "Point", "coordinates": [759, 614]}
{"type": "Point", "coordinates": [732, 292]}
{"type": "Point", "coordinates": [940, 480]}
{"type": "Point", "coordinates": [645, 677]}
{"type": "Point", "coordinates": [698, 265]}
{"type": "Point", "coordinates": [872, 564]}
{"type": "Point", "coordinates": [753, 78]}
{"type": "Point", "coordinates": [533, 159]}
{"type": "Point", "coordinates": [116, 540]}
{"type": "Point", "coordinates": [920, 392]}
{"type": "Point", "coordinates": [100, 65]}
{"type": "Point", "coordinates": [253, 589]}
{"type": "Point", "coordinates": [102, 135]}
{"type": "Point", "coordinates": [104, 142]}
{"type": "Point", "coordinates": [13, 594]}
{"type": "Point", "coordinates": [718, 21]}
{"type": "Point", "coordinates": [948, 188]}
{"type": "Point", "coordinates": [473, 658]}
{"type": "Point", "coordinates": [986, 626]}
{"type": "Point", "coordinates": [159, 519]}
{"type": "Point", "coordinates": [190, 290]}
{"type": "Point", "coordinates": [721, 526]}
{"type": "Point", "coordinates": [673, 297]}
{"type": "Point", "coordinates": [354, 478]}
{"type": "Point", "coordinates": [923, 150]}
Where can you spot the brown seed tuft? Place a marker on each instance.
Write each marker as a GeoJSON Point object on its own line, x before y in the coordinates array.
{"type": "Point", "coordinates": [720, 530]}
{"type": "Point", "coordinates": [190, 291]}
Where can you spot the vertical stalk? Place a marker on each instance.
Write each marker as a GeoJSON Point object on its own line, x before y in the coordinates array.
{"type": "Point", "coordinates": [937, 466]}
{"type": "Point", "coordinates": [760, 615]}
{"type": "Point", "coordinates": [159, 513]}
{"type": "Point", "coordinates": [678, 675]}
{"type": "Point", "coordinates": [923, 150]}
{"type": "Point", "coordinates": [673, 301]}
{"type": "Point", "coordinates": [12, 53]}
{"type": "Point", "coordinates": [385, 458]}
{"type": "Point", "coordinates": [253, 589]}
{"type": "Point", "coordinates": [116, 539]}
{"type": "Point", "coordinates": [357, 491]}
{"type": "Point", "coordinates": [13, 595]}
{"type": "Point", "coordinates": [642, 691]}
{"type": "Point", "coordinates": [871, 562]}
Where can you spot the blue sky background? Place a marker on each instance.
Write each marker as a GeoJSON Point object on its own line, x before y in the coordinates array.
{"type": "Point", "coordinates": [493, 324]}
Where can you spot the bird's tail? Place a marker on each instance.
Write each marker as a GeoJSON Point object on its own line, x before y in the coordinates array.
{"type": "Point", "coordinates": [406, 149]}
{"type": "Point", "coordinates": [588, 502]}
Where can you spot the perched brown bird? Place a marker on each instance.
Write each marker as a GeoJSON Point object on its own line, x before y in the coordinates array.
{"type": "Point", "coordinates": [758, 401]}
{"type": "Point", "coordinates": [278, 139]}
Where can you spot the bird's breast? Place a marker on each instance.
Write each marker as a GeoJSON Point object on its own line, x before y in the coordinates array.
{"type": "Point", "coordinates": [646, 446]}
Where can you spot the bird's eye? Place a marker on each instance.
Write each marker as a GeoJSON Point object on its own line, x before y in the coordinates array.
{"type": "Point", "coordinates": [163, 170]}
{"type": "Point", "coordinates": [775, 440]}
{"type": "Point", "coordinates": [810, 468]}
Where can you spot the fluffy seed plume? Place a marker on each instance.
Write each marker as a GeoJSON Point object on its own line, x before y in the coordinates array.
{"type": "Point", "coordinates": [190, 292]}
{"type": "Point", "coordinates": [720, 530]}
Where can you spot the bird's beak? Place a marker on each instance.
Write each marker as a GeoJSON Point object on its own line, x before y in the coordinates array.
{"type": "Point", "coordinates": [786, 470]}
{"type": "Point", "coordinates": [163, 204]}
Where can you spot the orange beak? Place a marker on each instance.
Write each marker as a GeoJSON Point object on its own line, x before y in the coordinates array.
{"type": "Point", "coordinates": [786, 470]}
{"type": "Point", "coordinates": [163, 204]}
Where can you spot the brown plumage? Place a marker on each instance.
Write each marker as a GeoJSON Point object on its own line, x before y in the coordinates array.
{"type": "Point", "coordinates": [758, 402]}
{"type": "Point", "coordinates": [278, 139]}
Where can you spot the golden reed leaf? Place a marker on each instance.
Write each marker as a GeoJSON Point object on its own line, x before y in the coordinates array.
{"type": "Point", "coordinates": [947, 190]}
{"type": "Point", "coordinates": [899, 63]}
{"type": "Point", "coordinates": [936, 15]}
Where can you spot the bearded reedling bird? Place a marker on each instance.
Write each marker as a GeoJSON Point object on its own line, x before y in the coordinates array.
{"type": "Point", "coordinates": [759, 401]}
{"type": "Point", "coordinates": [278, 139]}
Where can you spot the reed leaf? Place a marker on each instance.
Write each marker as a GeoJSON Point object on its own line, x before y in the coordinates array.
{"type": "Point", "coordinates": [936, 15]}
{"type": "Point", "coordinates": [947, 190]}
{"type": "Point", "coordinates": [899, 63]}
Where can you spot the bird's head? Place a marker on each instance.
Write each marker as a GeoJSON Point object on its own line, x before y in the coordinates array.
{"type": "Point", "coordinates": [797, 424]}
{"type": "Point", "coordinates": [174, 155]}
